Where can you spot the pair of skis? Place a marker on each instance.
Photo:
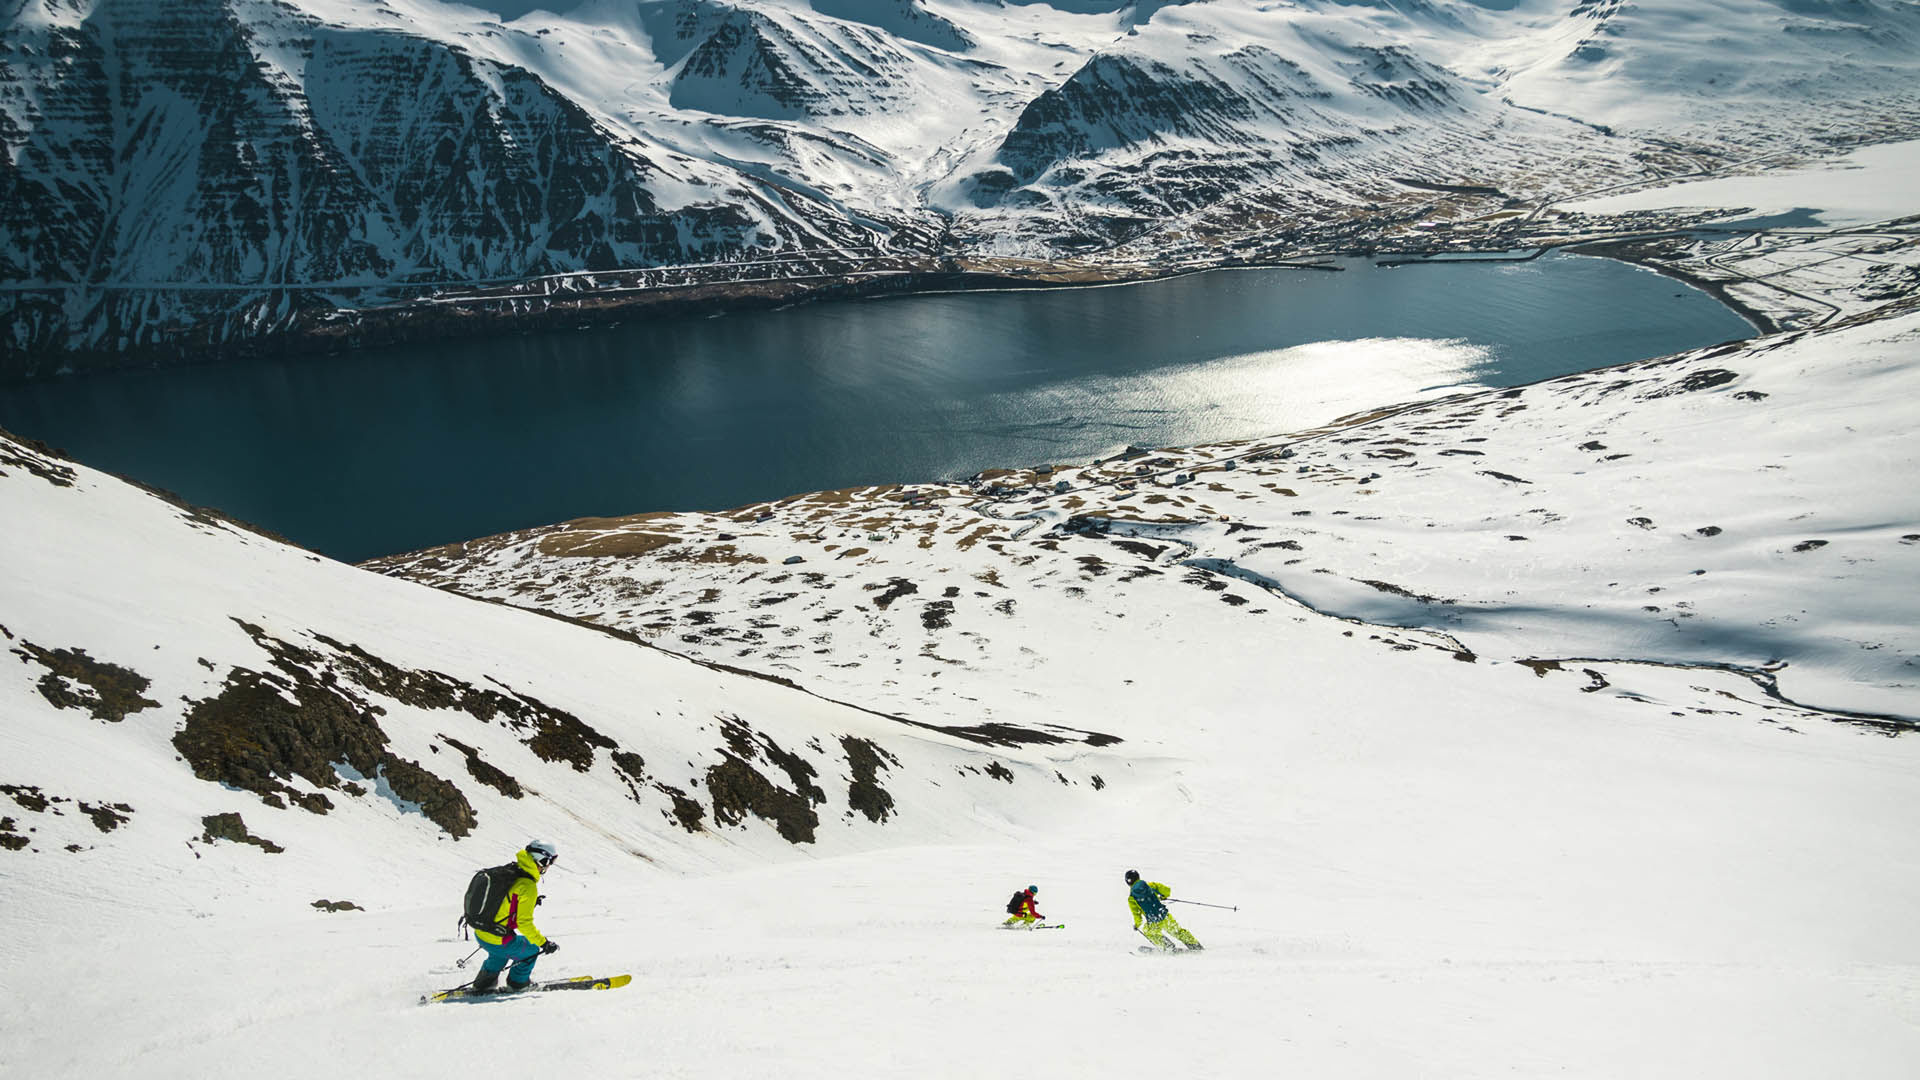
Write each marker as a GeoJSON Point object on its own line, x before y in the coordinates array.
{"type": "Point", "coordinates": [579, 982]}
{"type": "Point", "coordinates": [1033, 926]}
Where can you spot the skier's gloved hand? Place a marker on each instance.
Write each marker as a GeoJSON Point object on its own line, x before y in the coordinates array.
{"type": "Point", "coordinates": [549, 947]}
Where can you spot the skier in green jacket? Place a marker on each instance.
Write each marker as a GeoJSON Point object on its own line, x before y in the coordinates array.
{"type": "Point", "coordinates": [1146, 899]}
{"type": "Point", "coordinates": [521, 944]}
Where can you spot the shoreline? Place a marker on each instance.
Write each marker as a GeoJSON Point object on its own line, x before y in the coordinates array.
{"type": "Point", "coordinates": [559, 305]}
{"type": "Point", "coordinates": [1763, 323]}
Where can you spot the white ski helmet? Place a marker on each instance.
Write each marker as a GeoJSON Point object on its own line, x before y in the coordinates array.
{"type": "Point", "coordinates": [543, 853]}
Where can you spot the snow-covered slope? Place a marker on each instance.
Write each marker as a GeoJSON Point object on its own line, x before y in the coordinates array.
{"type": "Point", "coordinates": [1529, 818]}
{"type": "Point", "coordinates": [176, 667]}
{"type": "Point", "coordinates": [1500, 724]}
{"type": "Point", "coordinates": [189, 173]}
{"type": "Point", "coordinates": [1701, 71]}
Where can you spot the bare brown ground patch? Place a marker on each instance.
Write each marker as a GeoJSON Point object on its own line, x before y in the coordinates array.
{"type": "Point", "coordinates": [604, 523]}
{"type": "Point", "coordinates": [617, 544]}
{"type": "Point", "coordinates": [839, 497]}
{"type": "Point", "coordinates": [983, 532]}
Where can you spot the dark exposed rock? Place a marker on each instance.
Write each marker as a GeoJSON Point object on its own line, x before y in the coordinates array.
{"type": "Point", "coordinates": [1395, 590]}
{"type": "Point", "coordinates": [485, 773]}
{"type": "Point", "coordinates": [35, 457]}
{"type": "Point", "coordinates": [29, 798]}
{"type": "Point", "coordinates": [10, 840]}
{"type": "Point", "coordinates": [935, 616]}
{"type": "Point", "coordinates": [864, 793]}
{"type": "Point", "coordinates": [630, 765]}
{"type": "Point", "coordinates": [231, 827]}
{"type": "Point", "coordinates": [687, 811]}
{"type": "Point", "coordinates": [799, 773]}
{"type": "Point", "coordinates": [557, 735]}
{"type": "Point", "coordinates": [1208, 581]}
{"type": "Point", "coordinates": [738, 735]}
{"type": "Point", "coordinates": [265, 728]}
{"type": "Point", "coordinates": [1698, 380]}
{"type": "Point", "coordinates": [999, 772]}
{"type": "Point", "coordinates": [75, 680]}
{"type": "Point", "coordinates": [337, 905]}
{"type": "Point", "coordinates": [737, 789]}
{"type": "Point", "coordinates": [895, 589]}
{"type": "Point", "coordinates": [107, 818]}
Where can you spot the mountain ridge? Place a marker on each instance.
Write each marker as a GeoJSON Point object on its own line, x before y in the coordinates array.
{"type": "Point", "coordinates": [198, 176]}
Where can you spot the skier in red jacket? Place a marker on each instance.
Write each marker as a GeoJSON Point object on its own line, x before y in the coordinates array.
{"type": "Point", "coordinates": [1021, 910]}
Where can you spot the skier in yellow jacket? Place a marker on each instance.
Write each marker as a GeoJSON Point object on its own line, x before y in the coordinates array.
{"type": "Point", "coordinates": [521, 943]}
{"type": "Point", "coordinates": [1146, 899]}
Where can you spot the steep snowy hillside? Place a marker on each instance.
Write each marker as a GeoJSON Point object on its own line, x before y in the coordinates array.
{"type": "Point", "coordinates": [187, 176]}
{"type": "Point", "coordinates": [174, 680]}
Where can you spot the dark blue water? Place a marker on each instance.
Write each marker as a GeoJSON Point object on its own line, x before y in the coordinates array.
{"type": "Point", "coordinates": [393, 450]}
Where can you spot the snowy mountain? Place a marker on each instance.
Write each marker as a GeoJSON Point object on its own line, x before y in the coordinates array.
{"type": "Point", "coordinates": [1492, 725]}
{"type": "Point", "coordinates": [189, 175]}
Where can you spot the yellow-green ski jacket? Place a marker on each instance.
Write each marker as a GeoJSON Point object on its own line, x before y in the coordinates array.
{"type": "Point", "coordinates": [516, 911]}
{"type": "Point", "coordinates": [1144, 898]}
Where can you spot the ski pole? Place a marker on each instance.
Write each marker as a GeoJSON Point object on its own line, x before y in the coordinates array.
{"type": "Point", "coordinates": [1196, 903]}
{"type": "Point", "coordinates": [462, 962]}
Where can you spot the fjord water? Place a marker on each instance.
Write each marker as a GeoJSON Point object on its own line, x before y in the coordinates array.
{"type": "Point", "coordinates": [397, 449]}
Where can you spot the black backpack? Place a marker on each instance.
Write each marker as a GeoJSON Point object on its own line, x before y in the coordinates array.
{"type": "Point", "coordinates": [1018, 904]}
{"type": "Point", "coordinates": [485, 893]}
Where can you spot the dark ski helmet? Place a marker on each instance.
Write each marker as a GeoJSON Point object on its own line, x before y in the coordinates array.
{"type": "Point", "coordinates": [1033, 888]}
{"type": "Point", "coordinates": [1133, 876]}
{"type": "Point", "coordinates": [543, 853]}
